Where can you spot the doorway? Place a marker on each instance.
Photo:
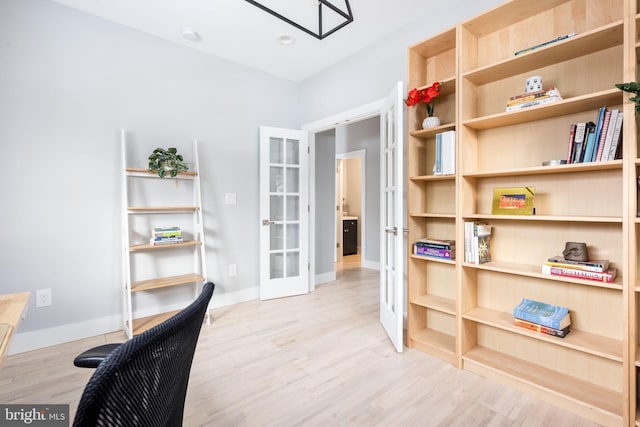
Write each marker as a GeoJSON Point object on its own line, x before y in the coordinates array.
{"type": "Point", "coordinates": [351, 205]}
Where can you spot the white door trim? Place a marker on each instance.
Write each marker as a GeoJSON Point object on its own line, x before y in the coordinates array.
{"type": "Point", "coordinates": [362, 112]}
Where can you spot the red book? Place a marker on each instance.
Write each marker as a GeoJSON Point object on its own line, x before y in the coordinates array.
{"type": "Point", "coordinates": [605, 277]}
{"type": "Point", "coordinates": [541, 328]}
{"type": "Point", "coordinates": [572, 132]}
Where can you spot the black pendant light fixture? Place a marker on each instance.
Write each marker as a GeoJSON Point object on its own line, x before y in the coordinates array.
{"type": "Point", "coordinates": [340, 17]}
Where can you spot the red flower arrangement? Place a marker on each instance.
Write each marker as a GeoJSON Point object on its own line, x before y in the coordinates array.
{"type": "Point", "coordinates": [427, 96]}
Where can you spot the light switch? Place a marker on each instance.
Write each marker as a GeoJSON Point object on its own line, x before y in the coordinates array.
{"type": "Point", "coordinates": [229, 198]}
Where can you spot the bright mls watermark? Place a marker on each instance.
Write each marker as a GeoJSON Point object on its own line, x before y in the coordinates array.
{"type": "Point", "coordinates": [34, 415]}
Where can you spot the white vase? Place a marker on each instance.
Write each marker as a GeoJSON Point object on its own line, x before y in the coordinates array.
{"type": "Point", "coordinates": [430, 122]}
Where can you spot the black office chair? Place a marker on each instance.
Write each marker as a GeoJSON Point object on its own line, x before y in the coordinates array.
{"type": "Point", "coordinates": [143, 382]}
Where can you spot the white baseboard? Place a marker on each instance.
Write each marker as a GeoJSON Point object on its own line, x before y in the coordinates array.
{"type": "Point", "coordinates": [325, 277]}
{"type": "Point", "coordinates": [33, 340]}
{"type": "Point", "coordinates": [370, 264]}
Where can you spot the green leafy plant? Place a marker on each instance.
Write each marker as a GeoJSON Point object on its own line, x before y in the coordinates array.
{"type": "Point", "coordinates": [634, 88]}
{"type": "Point", "coordinates": [162, 161]}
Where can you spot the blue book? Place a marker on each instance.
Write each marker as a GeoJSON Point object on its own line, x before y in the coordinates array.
{"type": "Point", "coordinates": [591, 139]}
{"type": "Point", "coordinates": [549, 315]}
{"type": "Point", "coordinates": [601, 112]}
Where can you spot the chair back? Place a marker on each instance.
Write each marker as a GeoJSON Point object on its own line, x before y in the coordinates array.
{"type": "Point", "coordinates": [144, 381]}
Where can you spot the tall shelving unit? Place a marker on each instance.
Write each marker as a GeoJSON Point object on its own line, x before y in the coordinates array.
{"type": "Point", "coordinates": [432, 298]}
{"type": "Point", "coordinates": [593, 370]}
{"type": "Point", "coordinates": [632, 171]}
{"type": "Point", "coordinates": [150, 201]}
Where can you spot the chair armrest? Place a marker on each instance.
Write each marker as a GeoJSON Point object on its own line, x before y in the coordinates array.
{"type": "Point", "coordinates": [94, 356]}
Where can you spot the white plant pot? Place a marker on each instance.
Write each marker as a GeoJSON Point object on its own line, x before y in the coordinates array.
{"type": "Point", "coordinates": [430, 122]}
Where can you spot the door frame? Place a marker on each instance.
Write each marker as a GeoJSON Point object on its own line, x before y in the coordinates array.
{"type": "Point", "coordinates": [356, 114]}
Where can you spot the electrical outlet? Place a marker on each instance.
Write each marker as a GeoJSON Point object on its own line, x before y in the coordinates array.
{"type": "Point", "coordinates": [43, 298]}
{"type": "Point", "coordinates": [233, 270]}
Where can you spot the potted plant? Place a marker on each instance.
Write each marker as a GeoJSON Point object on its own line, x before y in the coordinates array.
{"type": "Point", "coordinates": [427, 96]}
{"type": "Point", "coordinates": [162, 161]}
{"type": "Point", "coordinates": [634, 88]}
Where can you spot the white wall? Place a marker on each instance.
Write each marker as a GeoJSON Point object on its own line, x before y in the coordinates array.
{"type": "Point", "coordinates": [68, 82]}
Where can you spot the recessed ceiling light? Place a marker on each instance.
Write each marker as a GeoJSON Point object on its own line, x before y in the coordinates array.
{"type": "Point", "coordinates": [190, 35]}
{"type": "Point", "coordinates": [286, 39]}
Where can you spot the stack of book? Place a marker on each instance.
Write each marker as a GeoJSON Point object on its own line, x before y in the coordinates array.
{"type": "Point", "coordinates": [166, 236]}
{"type": "Point", "coordinates": [544, 318]}
{"type": "Point", "coordinates": [477, 244]}
{"type": "Point", "coordinates": [531, 99]}
{"type": "Point", "coordinates": [596, 142]}
{"type": "Point", "coordinates": [436, 248]}
{"type": "Point", "coordinates": [589, 270]}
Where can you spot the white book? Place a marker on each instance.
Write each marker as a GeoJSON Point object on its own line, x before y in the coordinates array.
{"type": "Point", "coordinates": [609, 136]}
{"type": "Point", "coordinates": [448, 150]}
{"type": "Point", "coordinates": [615, 139]}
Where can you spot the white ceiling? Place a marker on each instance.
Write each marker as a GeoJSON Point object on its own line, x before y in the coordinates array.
{"type": "Point", "coordinates": [241, 32]}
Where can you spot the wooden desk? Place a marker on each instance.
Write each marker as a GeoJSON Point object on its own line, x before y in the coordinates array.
{"type": "Point", "coordinates": [12, 307]}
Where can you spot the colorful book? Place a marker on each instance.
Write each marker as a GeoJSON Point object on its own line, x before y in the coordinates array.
{"type": "Point", "coordinates": [434, 245]}
{"type": "Point", "coordinates": [530, 96]}
{"type": "Point", "coordinates": [609, 136]}
{"type": "Point", "coordinates": [542, 329]}
{"type": "Point", "coordinates": [166, 232]}
{"type": "Point", "coordinates": [448, 151]}
{"type": "Point", "coordinates": [552, 316]}
{"type": "Point", "coordinates": [597, 266]}
{"type": "Point", "coordinates": [533, 103]}
{"type": "Point", "coordinates": [604, 277]}
{"type": "Point", "coordinates": [599, 123]}
{"type": "Point", "coordinates": [435, 252]}
{"type": "Point", "coordinates": [165, 241]}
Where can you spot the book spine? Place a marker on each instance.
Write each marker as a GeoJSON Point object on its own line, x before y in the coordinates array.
{"type": "Point", "coordinates": [435, 245]}
{"type": "Point", "coordinates": [578, 143]}
{"type": "Point", "coordinates": [541, 329]}
{"type": "Point", "coordinates": [609, 136]}
{"type": "Point", "coordinates": [593, 269]}
{"type": "Point", "coordinates": [572, 133]}
{"type": "Point", "coordinates": [437, 167]}
{"type": "Point", "coordinates": [603, 135]}
{"type": "Point", "coordinates": [616, 138]}
{"type": "Point", "coordinates": [599, 124]}
{"type": "Point", "coordinates": [525, 97]}
{"type": "Point", "coordinates": [590, 144]}
{"type": "Point", "coordinates": [605, 277]}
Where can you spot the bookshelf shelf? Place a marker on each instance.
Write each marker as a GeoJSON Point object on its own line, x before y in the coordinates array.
{"type": "Point", "coordinates": [146, 173]}
{"type": "Point", "coordinates": [576, 104]}
{"type": "Point", "coordinates": [536, 272]}
{"type": "Point", "coordinates": [163, 282]}
{"type": "Point", "coordinates": [161, 209]}
{"type": "Point", "coordinates": [433, 259]}
{"type": "Point", "coordinates": [430, 133]}
{"type": "Point", "coordinates": [600, 403]}
{"type": "Point", "coordinates": [581, 44]}
{"type": "Point", "coordinates": [147, 247]}
{"type": "Point", "coordinates": [433, 178]}
{"type": "Point", "coordinates": [444, 305]}
{"type": "Point", "coordinates": [547, 218]}
{"type": "Point", "coordinates": [431, 215]}
{"type": "Point", "coordinates": [584, 342]}
{"type": "Point", "coordinates": [547, 170]}
{"type": "Point", "coordinates": [142, 324]}
{"type": "Point", "coordinates": [434, 342]}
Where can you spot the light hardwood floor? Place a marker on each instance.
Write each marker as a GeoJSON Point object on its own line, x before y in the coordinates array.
{"type": "Point", "coordinates": [316, 360]}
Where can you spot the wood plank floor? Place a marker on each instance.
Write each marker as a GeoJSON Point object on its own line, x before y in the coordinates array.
{"type": "Point", "coordinates": [316, 360]}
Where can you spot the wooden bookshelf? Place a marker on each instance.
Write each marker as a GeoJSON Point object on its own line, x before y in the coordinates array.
{"type": "Point", "coordinates": [463, 312]}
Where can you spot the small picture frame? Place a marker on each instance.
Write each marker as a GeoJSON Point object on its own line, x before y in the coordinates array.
{"type": "Point", "coordinates": [513, 201]}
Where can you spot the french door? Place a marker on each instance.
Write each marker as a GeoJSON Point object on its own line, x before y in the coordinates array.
{"type": "Point", "coordinates": [284, 213]}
